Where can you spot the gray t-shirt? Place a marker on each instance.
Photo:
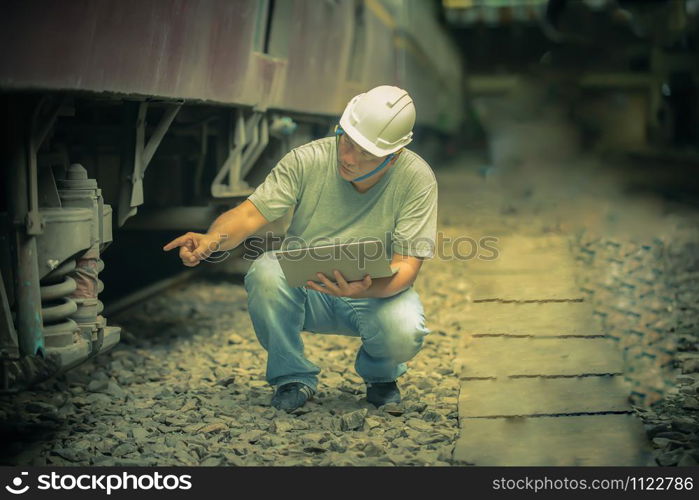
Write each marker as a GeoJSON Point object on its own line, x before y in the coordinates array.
{"type": "Point", "coordinates": [400, 210]}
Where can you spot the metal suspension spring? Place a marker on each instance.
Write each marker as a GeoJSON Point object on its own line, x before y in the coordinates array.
{"type": "Point", "coordinates": [57, 305]}
{"type": "Point", "coordinates": [89, 286]}
{"type": "Point", "coordinates": [100, 286]}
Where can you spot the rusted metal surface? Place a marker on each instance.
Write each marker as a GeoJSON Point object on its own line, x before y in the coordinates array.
{"type": "Point", "coordinates": [195, 49]}
{"type": "Point", "coordinates": [316, 57]}
{"type": "Point", "coordinates": [28, 319]}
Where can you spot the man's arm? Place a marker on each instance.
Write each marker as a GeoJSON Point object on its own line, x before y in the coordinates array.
{"type": "Point", "coordinates": [232, 227]}
{"type": "Point", "coordinates": [408, 268]}
{"type": "Point", "coordinates": [228, 231]}
{"type": "Point", "coordinates": [271, 200]}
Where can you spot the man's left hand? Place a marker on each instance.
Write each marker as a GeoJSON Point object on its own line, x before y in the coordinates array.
{"type": "Point", "coordinates": [341, 288]}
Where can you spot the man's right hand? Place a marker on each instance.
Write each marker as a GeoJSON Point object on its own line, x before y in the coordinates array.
{"type": "Point", "coordinates": [194, 247]}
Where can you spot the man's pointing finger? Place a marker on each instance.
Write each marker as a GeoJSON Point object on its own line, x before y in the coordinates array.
{"type": "Point", "coordinates": [177, 242]}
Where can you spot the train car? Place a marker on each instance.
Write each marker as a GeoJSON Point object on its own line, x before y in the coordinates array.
{"type": "Point", "coordinates": [162, 114]}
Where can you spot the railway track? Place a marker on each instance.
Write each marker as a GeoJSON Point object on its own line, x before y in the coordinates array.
{"type": "Point", "coordinates": [541, 384]}
{"type": "Point", "coordinates": [544, 374]}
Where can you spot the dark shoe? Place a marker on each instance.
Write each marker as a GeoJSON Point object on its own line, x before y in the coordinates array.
{"type": "Point", "coordinates": [291, 396]}
{"type": "Point", "coordinates": [381, 393]}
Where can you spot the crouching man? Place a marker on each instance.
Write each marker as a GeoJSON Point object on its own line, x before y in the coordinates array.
{"type": "Point", "coordinates": [360, 183]}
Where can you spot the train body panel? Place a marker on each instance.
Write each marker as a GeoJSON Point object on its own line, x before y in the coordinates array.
{"type": "Point", "coordinates": [179, 50]}
{"type": "Point", "coordinates": [301, 55]}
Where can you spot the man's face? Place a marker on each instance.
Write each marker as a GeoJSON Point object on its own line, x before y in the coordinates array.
{"type": "Point", "coordinates": [353, 161]}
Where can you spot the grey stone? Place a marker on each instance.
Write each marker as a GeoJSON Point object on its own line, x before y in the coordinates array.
{"type": "Point", "coordinates": [392, 434]}
{"type": "Point", "coordinates": [669, 458]}
{"type": "Point", "coordinates": [136, 462]}
{"type": "Point", "coordinates": [315, 448]}
{"type": "Point", "coordinates": [690, 389]}
{"type": "Point", "coordinates": [212, 461]}
{"type": "Point", "coordinates": [72, 455]}
{"type": "Point", "coordinates": [113, 389]}
{"type": "Point", "coordinates": [234, 339]}
{"type": "Point", "coordinates": [691, 403]}
{"type": "Point", "coordinates": [83, 444]}
{"type": "Point", "coordinates": [419, 425]}
{"type": "Point", "coordinates": [687, 460]}
{"type": "Point", "coordinates": [180, 388]}
{"type": "Point", "coordinates": [103, 461]}
{"type": "Point", "coordinates": [281, 426]}
{"type": "Point", "coordinates": [432, 416]}
{"type": "Point", "coordinates": [139, 433]}
{"type": "Point", "coordinates": [429, 438]}
{"type": "Point", "coordinates": [655, 429]}
{"type": "Point", "coordinates": [393, 409]}
{"type": "Point", "coordinates": [173, 404]}
{"type": "Point", "coordinates": [418, 407]}
{"type": "Point", "coordinates": [213, 427]}
{"type": "Point", "coordinates": [686, 426]}
{"type": "Point", "coordinates": [164, 394]}
{"type": "Point", "coordinates": [677, 436]}
{"type": "Point", "coordinates": [353, 420]}
{"type": "Point", "coordinates": [105, 445]}
{"type": "Point", "coordinates": [313, 437]}
{"type": "Point", "coordinates": [426, 457]}
{"type": "Point", "coordinates": [40, 407]}
{"type": "Point", "coordinates": [98, 385]}
{"type": "Point", "coordinates": [124, 449]}
{"type": "Point", "coordinates": [334, 459]}
{"type": "Point", "coordinates": [661, 442]}
{"type": "Point", "coordinates": [98, 398]}
{"type": "Point", "coordinates": [233, 459]}
{"type": "Point", "coordinates": [226, 381]}
{"type": "Point", "coordinates": [373, 422]}
{"type": "Point", "coordinates": [66, 410]}
{"type": "Point", "coordinates": [690, 366]}
{"type": "Point", "coordinates": [251, 436]}
{"type": "Point", "coordinates": [336, 445]}
{"type": "Point", "coordinates": [405, 443]}
{"type": "Point", "coordinates": [372, 449]}
{"type": "Point", "coordinates": [445, 453]}
{"type": "Point", "coordinates": [350, 389]}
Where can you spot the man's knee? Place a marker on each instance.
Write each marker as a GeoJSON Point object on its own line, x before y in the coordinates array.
{"type": "Point", "coordinates": [400, 332]}
{"type": "Point", "coordinates": [264, 274]}
{"type": "Point", "coordinates": [404, 342]}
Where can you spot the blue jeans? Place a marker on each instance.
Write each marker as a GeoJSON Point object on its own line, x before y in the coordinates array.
{"type": "Point", "coordinates": [391, 329]}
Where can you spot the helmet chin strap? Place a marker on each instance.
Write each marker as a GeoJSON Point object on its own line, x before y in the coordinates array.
{"type": "Point", "coordinates": [383, 164]}
{"type": "Point", "coordinates": [338, 132]}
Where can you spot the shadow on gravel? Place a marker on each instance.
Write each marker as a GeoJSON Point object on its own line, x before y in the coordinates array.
{"type": "Point", "coordinates": [23, 434]}
{"type": "Point", "coordinates": [146, 325]}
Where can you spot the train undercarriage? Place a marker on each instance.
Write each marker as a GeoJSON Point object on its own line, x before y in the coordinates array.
{"type": "Point", "coordinates": [76, 157]}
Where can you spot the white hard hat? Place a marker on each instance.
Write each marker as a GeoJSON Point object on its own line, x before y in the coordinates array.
{"type": "Point", "coordinates": [380, 120]}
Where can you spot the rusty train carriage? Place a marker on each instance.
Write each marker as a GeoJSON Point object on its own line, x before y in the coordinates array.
{"type": "Point", "coordinates": [183, 104]}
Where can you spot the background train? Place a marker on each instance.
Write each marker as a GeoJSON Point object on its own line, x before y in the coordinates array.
{"type": "Point", "coordinates": [130, 117]}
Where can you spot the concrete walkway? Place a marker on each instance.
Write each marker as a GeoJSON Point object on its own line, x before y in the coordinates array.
{"type": "Point", "coordinates": [540, 384]}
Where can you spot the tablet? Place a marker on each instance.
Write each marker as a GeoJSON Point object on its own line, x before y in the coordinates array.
{"type": "Point", "coordinates": [354, 260]}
